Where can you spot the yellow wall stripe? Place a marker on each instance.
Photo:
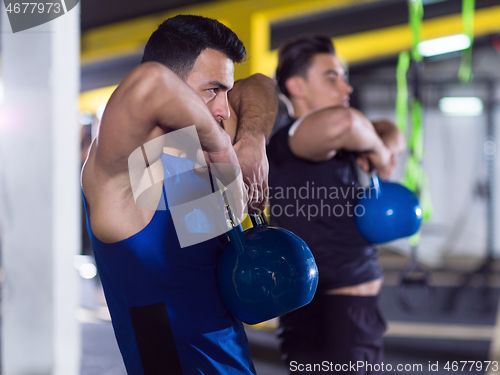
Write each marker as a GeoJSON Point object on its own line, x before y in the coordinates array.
{"type": "Point", "coordinates": [93, 99]}
{"type": "Point", "coordinates": [128, 37]}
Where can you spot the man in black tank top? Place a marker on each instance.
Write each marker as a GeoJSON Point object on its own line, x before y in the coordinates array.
{"type": "Point", "coordinates": [313, 181]}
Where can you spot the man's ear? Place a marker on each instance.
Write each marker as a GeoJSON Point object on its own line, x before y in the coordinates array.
{"type": "Point", "coordinates": [295, 86]}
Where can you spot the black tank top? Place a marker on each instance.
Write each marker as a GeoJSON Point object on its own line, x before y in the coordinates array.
{"type": "Point", "coordinates": [316, 201]}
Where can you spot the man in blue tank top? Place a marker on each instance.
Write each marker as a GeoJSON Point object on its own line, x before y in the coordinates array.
{"type": "Point", "coordinates": [313, 181]}
{"type": "Point", "coordinates": [166, 311]}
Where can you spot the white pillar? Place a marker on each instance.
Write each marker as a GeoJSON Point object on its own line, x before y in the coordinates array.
{"type": "Point", "coordinates": [39, 197]}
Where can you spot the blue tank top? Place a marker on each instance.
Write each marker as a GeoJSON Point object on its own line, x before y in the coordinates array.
{"type": "Point", "coordinates": [166, 311]}
{"type": "Point", "coordinates": [316, 201]}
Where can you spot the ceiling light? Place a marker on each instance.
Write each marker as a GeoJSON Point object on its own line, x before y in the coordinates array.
{"type": "Point", "coordinates": [461, 106]}
{"type": "Point", "coordinates": [442, 45]}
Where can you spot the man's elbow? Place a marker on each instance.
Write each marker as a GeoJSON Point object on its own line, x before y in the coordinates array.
{"type": "Point", "coordinates": [265, 84]}
{"type": "Point", "coordinates": [263, 79]}
{"type": "Point", "coordinates": [152, 71]}
{"type": "Point", "coordinates": [154, 80]}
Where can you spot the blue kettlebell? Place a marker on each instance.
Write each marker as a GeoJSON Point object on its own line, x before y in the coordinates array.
{"type": "Point", "coordinates": [264, 272]}
{"type": "Point", "coordinates": [387, 211]}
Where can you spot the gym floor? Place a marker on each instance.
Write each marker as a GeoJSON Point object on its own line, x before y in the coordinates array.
{"type": "Point", "coordinates": [449, 328]}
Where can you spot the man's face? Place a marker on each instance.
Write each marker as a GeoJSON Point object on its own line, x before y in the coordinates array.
{"type": "Point", "coordinates": [325, 84]}
{"type": "Point", "coordinates": [212, 77]}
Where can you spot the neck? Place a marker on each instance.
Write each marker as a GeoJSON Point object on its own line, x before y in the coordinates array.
{"type": "Point", "coordinates": [300, 108]}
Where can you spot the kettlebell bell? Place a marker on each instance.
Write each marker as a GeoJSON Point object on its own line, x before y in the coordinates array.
{"type": "Point", "coordinates": [387, 211]}
{"type": "Point", "coordinates": [264, 272]}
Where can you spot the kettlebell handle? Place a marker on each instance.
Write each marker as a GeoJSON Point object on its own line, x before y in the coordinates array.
{"type": "Point", "coordinates": [236, 232]}
{"type": "Point", "coordinates": [375, 183]}
{"type": "Point", "coordinates": [258, 219]}
{"type": "Point", "coordinates": [374, 178]}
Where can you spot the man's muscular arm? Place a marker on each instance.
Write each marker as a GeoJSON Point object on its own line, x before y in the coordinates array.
{"type": "Point", "coordinates": [393, 139]}
{"type": "Point", "coordinates": [254, 106]}
{"type": "Point", "coordinates": [150, 102]}
{"type": "Point", "coordinates": [325, 131]}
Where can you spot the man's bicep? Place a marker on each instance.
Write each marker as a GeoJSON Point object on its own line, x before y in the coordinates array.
{"type": "Point", "coordinates": [131, 116]}
{"type": "Point", "coordinates": [124, 129]}
{"type": "Point", "coordinates": [319, 136]}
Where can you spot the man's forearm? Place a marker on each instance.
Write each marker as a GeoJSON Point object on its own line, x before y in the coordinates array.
{"type": "Point", "coordinates": [176, 105]}
{"type": "Point", "coordinates": [361, 135]}
{"type": "Point", "coordinates": [255, 104]}
{"type": "Point", "coordinates": [392, 137]}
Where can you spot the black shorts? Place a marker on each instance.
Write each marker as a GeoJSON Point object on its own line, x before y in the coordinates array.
{"type": "Point", "coordinates": [333, 333]}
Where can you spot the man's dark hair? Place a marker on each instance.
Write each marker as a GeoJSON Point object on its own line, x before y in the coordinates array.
{"type": "Point", "coordinates": [295, 57]}
{"type": "Point", "coordinates": [179, 40]}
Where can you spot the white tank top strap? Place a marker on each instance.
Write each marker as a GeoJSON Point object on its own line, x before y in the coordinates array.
{"type": "Point", "coordinates": [294, 126]}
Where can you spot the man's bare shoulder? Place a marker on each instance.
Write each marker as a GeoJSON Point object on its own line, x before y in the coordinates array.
{"type": "Point", "coordinates": [148, 71]}
{"type": "Point", "coordinates": [140, 84]}
{"type": "Point", "coordinates": [130, 118]}
{"type": "Point", "coordinates": [126, 125]}
{"type": "Point", "coordinates": [318, 135]}
{"type": "Point", "coordinates": [113, 213]}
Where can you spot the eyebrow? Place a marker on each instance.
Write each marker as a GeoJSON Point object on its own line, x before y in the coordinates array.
{"type": "Point", "coordinates": [332, 71]}
{"type": "Point", "coordinates": [219, 85]}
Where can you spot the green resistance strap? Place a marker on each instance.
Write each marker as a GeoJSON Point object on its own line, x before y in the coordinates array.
{"type": "Point", "coordinates": [465, 70]}
{"type": "Point", "coordinates": [415, 15]}
{"type": "Point", "coordinates": [402, 92]}
{"type": "Point", "coordinates": [415, 178]}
